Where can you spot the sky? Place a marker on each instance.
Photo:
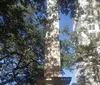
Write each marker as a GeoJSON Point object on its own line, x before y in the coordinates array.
{"type": "Point", "coordinates": [66, 20]}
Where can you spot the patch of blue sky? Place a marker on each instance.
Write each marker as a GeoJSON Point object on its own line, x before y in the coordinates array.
{"type": "Point", "coordinates": [66, 21]}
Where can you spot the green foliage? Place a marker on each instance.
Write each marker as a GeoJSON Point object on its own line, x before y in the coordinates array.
{"type": "Point", "coordinates": [21, 44]}
{"type": "Point", "coordinates": [67, 58]}
{"type": "Point", "coordinates": [74, 47]}
{"type": "Point", "coordinates": [22, 40]}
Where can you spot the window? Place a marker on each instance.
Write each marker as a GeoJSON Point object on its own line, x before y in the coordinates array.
{"type": "Point", "coordinates": [97, 0]}
{"type": "Point", "coordinates": [93, 35]}
{"type": "Point", "coordinates": [98, 15]}
{"type": "Point", "coordinates": [98, 34]}
{"type": "Point", "coordinates": [99, 26]}
{"type": "Point", "coordinates": [98, 12]}
{"type": "Point", "coordinates": [91, 27]}
{"type": "Point", "coordinates": [90, 12]}
{"type": "Point", "coordinates": [98, 18]}
{"type": "Point", "coordinates": [91, 20]}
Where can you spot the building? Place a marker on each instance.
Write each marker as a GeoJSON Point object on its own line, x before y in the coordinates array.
{"type": "Point", "coordinates": [52, 49]}
{"type": "Point", "coordinates": [88, 18]}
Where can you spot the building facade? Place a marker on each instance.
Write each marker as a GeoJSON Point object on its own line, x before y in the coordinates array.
{"type": "Point", "coordinates": [88, 18]}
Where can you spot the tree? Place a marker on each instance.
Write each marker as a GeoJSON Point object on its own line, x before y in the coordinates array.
{"type": "Point", "coordinates": [83, 51]}
{"type": "Point", "coordinates": [86, 49]}
{"type": "Point", "coordinates": [21, 44]}
{"type": "Point", "coordinates": [84, 56]}
{"type": "Point", "coordinates": [22, 39]}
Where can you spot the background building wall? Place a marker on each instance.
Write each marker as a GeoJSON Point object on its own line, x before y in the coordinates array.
{"type": "Point", "coordinates": [89, 19]}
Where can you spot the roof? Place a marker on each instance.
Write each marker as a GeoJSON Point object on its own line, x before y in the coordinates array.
{"type": "Point", "coordinates": [56, 81]}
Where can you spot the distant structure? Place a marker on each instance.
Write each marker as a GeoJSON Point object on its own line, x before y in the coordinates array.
{"type": "Point", "coordinates": [52, 48]}
{"type": "Point", "coordinates": [52, 45]}
{"type": "Point", "coordinates": [88, 16]}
